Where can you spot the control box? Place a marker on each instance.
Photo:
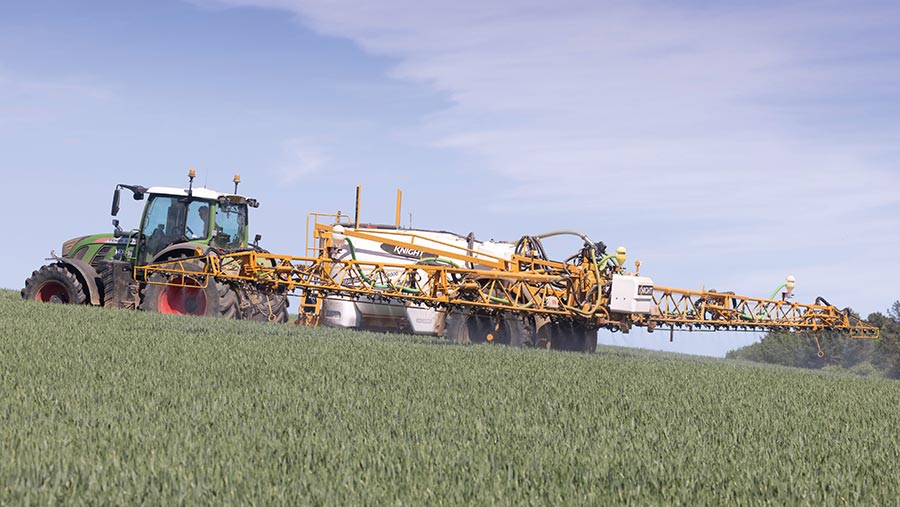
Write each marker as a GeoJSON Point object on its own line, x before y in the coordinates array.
{"type": "Point", "coordinates": [631, 294]}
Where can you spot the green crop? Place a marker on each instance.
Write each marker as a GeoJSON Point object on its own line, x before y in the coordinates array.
{"type": "Point", "coordinates": [101, 406]}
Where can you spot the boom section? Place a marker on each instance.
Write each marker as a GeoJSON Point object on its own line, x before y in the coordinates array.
{"type": "Point", "coordinates": [724, 310]}
{"type": "Point", "coordinates": [581, 290]}
{"type": "Point", "coordinates": [543, 290]}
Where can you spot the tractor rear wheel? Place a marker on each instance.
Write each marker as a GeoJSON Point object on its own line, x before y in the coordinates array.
{"type": "Point", "coordinates": [189, 295]}
{"type": "Point", "coordinates": [54, 284]}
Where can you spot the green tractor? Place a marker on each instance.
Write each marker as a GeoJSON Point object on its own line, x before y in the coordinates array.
{"type": "Point", "coordinates": [176, 223]}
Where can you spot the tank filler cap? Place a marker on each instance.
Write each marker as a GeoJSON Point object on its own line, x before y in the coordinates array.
{"type": "Point", "coordinates": [790, 283]}
{"type": "Point", "coordinates": [620, 255]}
{"type": "Point", "coordinates": [337, 234]}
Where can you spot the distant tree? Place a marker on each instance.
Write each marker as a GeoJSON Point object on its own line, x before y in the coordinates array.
{"type": "Point", "coordinates": [859, 356]}
{"type": "Point", "coordinates": [894, 312]}
{"type": "Point", "coordinates": [887, 348]}
{"type": "Point", "coordinates": [788, 349]}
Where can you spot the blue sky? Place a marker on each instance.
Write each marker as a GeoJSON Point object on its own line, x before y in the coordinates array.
{"type": "Point", "coordinates": [726, 144]}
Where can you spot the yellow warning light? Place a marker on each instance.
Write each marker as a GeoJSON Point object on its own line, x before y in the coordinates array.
{"type": "Point", "coordinates": [790, 283]}
{"type": "Point", "coordinates": [192, 173]}
{"type": "Point", "coordinates": [237, 178]}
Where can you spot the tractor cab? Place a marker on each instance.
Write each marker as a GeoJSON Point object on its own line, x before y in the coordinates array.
{"type": "Point", "coordinates": [182, 219]}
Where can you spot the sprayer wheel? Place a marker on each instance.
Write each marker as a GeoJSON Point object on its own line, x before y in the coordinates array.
{"type": "Point", "coordinates": [262, 307]}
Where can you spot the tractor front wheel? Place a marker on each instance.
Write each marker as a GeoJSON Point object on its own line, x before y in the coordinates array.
{"type": "Point", "coordinates": [54, 284]}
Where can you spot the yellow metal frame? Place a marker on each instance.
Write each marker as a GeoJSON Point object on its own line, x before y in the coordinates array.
{"type": "Point", "coordinates": [523, 285]}
{"type": "Point", "coordinates": [717, 310]}
{"type": "Point", "coordinates": [177, 275]}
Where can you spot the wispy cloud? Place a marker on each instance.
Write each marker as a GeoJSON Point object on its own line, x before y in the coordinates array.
{"type": "Point", "coordinates": [755, 123]}
{"type": "Point", "coordinates": [300, 158]}
{"type": "Point", "coordinates": [693, 101]}
{"type": "Point", "coordinates": [25, 100]}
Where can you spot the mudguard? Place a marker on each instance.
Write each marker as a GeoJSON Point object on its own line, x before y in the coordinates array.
{"type": "Point", "coordinates": [187, 249]}
{"type": "Point", "coordinates": [87, 274]}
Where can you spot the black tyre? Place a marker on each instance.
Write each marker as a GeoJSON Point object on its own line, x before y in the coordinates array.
{"type": "Point", "coordinates": [543, 338]}
{"type": "Point", "coordinates": [228, 302]}
{"type": "Point", "coordinates": [189, 295]}
{"type": "Point", "coordinates": [467, 328]}
{"type": "Point", "coordinates": [118, 289]}
{"type": "Point", "coordinates": [521, 331]}
{"type": "Point", "coordinates": [261, 306]}
{"type": "Point", "coordinates": [107, 281]}
{"type": "Point", "coordinates": [589, 341]}
{"type": "Point", "coordinates": [566, 336]}
{"type": "Point", "coordinates": [54, 284]}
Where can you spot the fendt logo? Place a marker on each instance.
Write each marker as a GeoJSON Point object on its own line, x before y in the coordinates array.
{"type": "Point", "coordinates": [645, 290]}
{"type": "Point", "coordinates": [403, 251]}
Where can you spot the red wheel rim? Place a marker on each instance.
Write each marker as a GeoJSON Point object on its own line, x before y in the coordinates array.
{"type": "Point", "coordinates": [187, 300]}
{"type": "Point", "coordinates": [52, 291]}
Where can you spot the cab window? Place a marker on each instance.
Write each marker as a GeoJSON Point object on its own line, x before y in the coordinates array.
{"type": "Point", "coordinates": [231, 225]}
{"type": "Point", "coordinates": [162, 223]}
{"type": "Point", "coordinates": [197, 226]}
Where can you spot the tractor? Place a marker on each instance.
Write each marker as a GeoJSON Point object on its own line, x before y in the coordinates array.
{"type": "Point", "coordinates": [176, 224]}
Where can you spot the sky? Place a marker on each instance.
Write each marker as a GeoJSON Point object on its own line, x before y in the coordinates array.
{"type": "Point", "coordinates": [725, 144]}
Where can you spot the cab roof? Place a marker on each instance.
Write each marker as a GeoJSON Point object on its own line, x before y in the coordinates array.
{"type": "Point", "coordinates": [199, 193]}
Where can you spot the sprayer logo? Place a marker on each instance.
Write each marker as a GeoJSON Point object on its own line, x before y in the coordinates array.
{"type": "Point", "coordinates": [402, 251]}
{"type": "Point", "coordinates": [645, 290]}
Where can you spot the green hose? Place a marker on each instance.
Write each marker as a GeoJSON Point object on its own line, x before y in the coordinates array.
{"type": "Point", "coordinates": [448, 262]}
{"type": "Point", "coordinates": [365, 278]}
{"type": "Point", "coordinates": [777, 290]}
{"type": "Point", "coordinates": [438, 260]}
{"type": "Point", "coordinates": [492, 299]}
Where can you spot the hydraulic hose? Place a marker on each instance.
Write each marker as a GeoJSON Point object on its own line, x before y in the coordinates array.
{"type": "Point", "coordinates": [408, 290]}
{"type": "Point", "coordinates": [581, 235]}
{"type": "Point", "coordinates": [603, 261]}
{"type": "Point", "coordinates": [596, 307]}
{"type": "Point", "coordinates": [438, 260]}
{"type": "Point", "coordinates": [365, 278]}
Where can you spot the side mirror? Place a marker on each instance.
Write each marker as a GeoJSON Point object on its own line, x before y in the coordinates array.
{"type": "Point", "coordinates": [118, 232]}
{"type": "Point", "coordinates": [256, 239]}
{"type": "Point", "coordinates": [115, 203]}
